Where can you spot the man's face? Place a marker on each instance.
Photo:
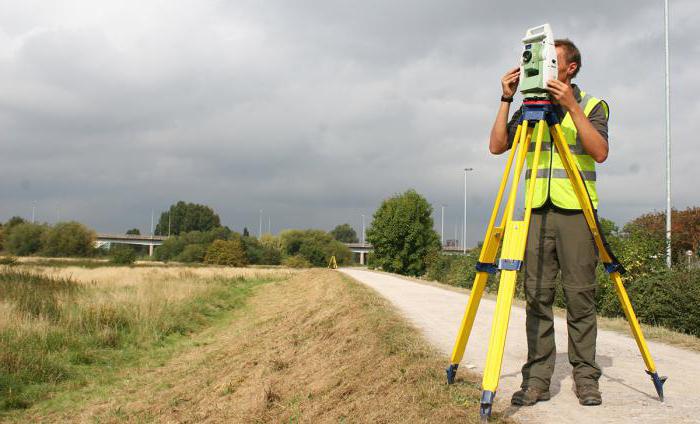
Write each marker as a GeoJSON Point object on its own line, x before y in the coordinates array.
{"type": "Point", "coordinates": [565, 69]}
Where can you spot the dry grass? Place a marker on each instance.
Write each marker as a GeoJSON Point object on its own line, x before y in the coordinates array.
{"type": "Point", "coordinates": [61, 326]}
{"type": "Point", "coordinates": [316, 348]}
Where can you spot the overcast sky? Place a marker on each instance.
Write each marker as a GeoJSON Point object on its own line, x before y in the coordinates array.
{"type": "Point", "coordinates": [315, 111]}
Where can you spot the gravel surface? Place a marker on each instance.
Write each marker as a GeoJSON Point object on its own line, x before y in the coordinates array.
{"type": "Point", "coordinates": [628, 393]}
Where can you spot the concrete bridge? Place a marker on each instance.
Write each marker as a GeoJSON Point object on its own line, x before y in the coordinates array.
{"type": "Point", "coordinates": [134, 239]}
{"type": "Point", "coordinates": [362, 249]}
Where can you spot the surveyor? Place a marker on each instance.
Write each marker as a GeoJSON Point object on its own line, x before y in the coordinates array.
{"type": "Point", "coordinates": [559, 240]}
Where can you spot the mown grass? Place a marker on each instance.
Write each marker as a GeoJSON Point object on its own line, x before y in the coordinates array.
{"type": "Point", "coordinates": [57, 331]}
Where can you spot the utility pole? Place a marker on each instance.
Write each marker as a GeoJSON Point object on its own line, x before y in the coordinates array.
{"type": "Point", "coordinates": [464, 239]}
{"type": "Point", "coordinates": [363, 229]}
{"type": "Point", "coordinates": [34, 212]}
{"type": "Point", "coordinates": [269, 224]}
{"type": "Point", "coordinates": [442, 226]}
{"type": "Point", "coordinates": [668, 140]}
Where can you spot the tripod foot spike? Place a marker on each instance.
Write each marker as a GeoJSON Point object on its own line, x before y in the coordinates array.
{"type": "Point", "coordinates": [451, 373]}
{"type": "Point", "coordinates": [658, 384]}
{"type": "Point", "coordinates": [486, 405]}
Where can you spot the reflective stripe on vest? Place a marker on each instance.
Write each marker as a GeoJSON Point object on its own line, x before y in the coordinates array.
{"type": "Point", "coordinates": [561, 173]}
{"type": "Point", "coordinates": [552, 180]}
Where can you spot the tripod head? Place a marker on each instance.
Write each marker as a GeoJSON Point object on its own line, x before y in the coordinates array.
{"type": "Point", "coordinates": [538, 63]}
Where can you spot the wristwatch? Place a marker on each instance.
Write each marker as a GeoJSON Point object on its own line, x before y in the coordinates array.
{"type": "Point", "coordinates": [507, 99]}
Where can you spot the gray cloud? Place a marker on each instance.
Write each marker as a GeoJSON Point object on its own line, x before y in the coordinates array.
{"type": "Point", "coordinates": [312, 111]}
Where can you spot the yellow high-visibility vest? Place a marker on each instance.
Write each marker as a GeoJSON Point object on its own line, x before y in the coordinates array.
{"type": "Point", "coordinates": [552, 180]}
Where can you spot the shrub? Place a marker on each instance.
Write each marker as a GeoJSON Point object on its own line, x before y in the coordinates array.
{"type": "Point", "coordinates": [68, 239]}
{"type": "Point", "coordinates": [192, 253]}
{"type": "Point", "coordinates": [122, 255]}
{"type": "Point", "coordinates": [226, 252]}
{"type": "Point", "coordinates": [316, 246]}
{"type": "Point", "coordinates": [670, 298]}
{"type": "Point", "coordinates": [25, 239]}
{"type": "Point", "coordinates": [456, 270]}
{"type": "Point", "coordinates": [173, 247]}
{"type": "Point", "coordinates": [296, 261]}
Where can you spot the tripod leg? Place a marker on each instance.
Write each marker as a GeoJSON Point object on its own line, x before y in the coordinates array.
{"type": "Point", "coordinates": [492, 242]}
{"type": "Point", "coordinates": [511, 260]}
{"type": "Point", "coordinates": [606, 256]}
{"type": "Point", "coordinates": [638, 335]}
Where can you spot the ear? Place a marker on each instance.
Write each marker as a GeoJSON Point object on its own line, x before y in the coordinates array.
{"type": "Point", "coordinates": [571, 69]}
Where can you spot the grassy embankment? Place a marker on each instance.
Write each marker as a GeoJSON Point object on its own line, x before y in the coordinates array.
{"type": "Point", "coordinates": [63, 329]}
{"type": "Point", "coordinates": [317, 347]}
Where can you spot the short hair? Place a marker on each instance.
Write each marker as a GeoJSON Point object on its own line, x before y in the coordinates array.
{"type": "Point", "coordinates": [573, 55]}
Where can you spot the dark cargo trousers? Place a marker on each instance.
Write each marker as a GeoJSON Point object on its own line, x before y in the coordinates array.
{"type": "Point", "coordinates": [560, 241]}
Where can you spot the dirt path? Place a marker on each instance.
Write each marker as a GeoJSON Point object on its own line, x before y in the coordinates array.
{"type": "Point", "coordinates": [628, 394]}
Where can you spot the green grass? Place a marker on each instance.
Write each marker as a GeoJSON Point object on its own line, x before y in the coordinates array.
{"type": "Point", "coordinates": [59, 334]}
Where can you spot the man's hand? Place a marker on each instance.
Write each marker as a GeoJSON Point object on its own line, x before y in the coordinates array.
{"type": "Point", "coordinates": [509, 82]}
{"type": "Point", "coordinates": [562, 94]}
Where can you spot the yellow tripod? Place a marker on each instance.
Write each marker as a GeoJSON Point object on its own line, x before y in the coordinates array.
{"type": "Point", "coordinates": [537, 114]}
{"type": "Point", "coordinates": [332, 264]}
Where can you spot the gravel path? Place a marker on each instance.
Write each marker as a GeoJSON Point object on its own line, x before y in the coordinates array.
{"type": "Point", "coordinates": [628, 393]}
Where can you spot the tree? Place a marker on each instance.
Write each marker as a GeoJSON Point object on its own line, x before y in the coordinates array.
{"type": "Point", "coordinates": [68, 239]}
{"type": "Point", "coordinates": [344, 233]}
{"type": "Point", "coordinates": [402, 234]}
{"type": "Point", "coordinates": [245, 232]}
{"type": "Point", "coordinates": [15, 220]}
{"type": "Point", "coordinates": [685, 231]}
{"type": "Point", "coordinates": [226, 252]}
{"type": "Point", "coordinates": [133, 232]}
{"type": "Point", "coordinates": [25, 238]}
{"type": "Point", "coordinates": [183, 217]}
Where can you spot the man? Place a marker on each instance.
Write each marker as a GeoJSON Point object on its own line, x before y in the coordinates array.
{"type": "Point", "coordinates": [558, 238]}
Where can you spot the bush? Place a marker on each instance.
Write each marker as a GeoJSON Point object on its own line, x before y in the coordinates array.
{"type": "Point", "coordinates": [192, 253]}
{"type": "Point", "coordinates": [173, 247]}
{"type": "Point", "coordinates": [68, 239]}
{"type": "Point", "coordinates": [226, 252]}
{"type": "Point", "coordinates": [316, 246]}
{"type": "Point", "coordinates": [456, 270]}
{"type": "Point", "coordinates": [296, 261]}
{"type": "Point", "coordinates": [670, 298]}
{"type": "Point", "coordinates": [25, 239]}
{"type": "Point", "coordinates": [122, 255]}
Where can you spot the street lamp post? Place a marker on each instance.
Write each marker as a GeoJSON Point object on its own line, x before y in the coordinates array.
{"type": "Point", "coordinates": [442, 226]}
{"type": "Point", "coordinates": [668, 141]}
{"type": "Point", "coordinates": [260, 226]}
{"type": "Point", "coordinates": [464, 234]}
{"type": "Point", "coordinates": [363, 229]}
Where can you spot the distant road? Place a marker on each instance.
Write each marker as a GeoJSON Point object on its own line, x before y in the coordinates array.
{"type": "Point", "coordinates": [628, 393]}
